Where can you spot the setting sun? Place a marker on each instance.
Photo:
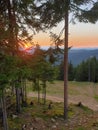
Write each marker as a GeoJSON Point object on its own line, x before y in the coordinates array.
{"type": "Point", "coordinates": [27, 45]}
{"type": "Point", "coordinates": [24, 45]}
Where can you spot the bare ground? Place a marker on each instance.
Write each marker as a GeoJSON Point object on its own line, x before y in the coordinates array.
{"type": "Point", "coordinates": [83, 95]}
{"type": "Point", "coordinates": [88, 101]}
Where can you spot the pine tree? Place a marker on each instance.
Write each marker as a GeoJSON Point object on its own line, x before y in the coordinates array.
{"type": "Point", "coordinates": [52, 12]}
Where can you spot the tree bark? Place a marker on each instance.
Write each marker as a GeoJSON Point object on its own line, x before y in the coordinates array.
{"type": "Point", "coordinates": [18, 105]}
{"type": "Point", "coordinates": [38, 90]}
{"type": "Point", "coordinates": [25, 88]}
{"type": "Point", "coordinates": [44, 92]}
{"type": "Point", "coordinates": [66, 62]}
{"type": "Point", "coordinates": [3, 105]}
{"type": "Point", "coordinates": [23, 92]}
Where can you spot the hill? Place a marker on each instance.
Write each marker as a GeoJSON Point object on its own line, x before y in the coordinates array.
{"type": "Point", "coordinates": [76, 56]}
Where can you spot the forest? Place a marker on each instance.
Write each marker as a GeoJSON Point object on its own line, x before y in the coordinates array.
{"type": "Point", "coordinates": [18, 18]}
{"type": "Point", "coordinates": [86, 71]}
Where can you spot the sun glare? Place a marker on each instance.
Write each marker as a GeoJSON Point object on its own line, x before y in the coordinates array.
{"type": "Point", "coordinates": [25, 45]}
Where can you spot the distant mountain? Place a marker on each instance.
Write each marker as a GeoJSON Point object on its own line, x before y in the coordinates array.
{"type": "Point", "coordinates": [76, 56]}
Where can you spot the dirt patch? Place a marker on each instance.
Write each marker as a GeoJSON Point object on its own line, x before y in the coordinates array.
{"type": "Point", "coordinates": [75, 99]}
{"type": "Point", "coordinates": [34, 118]}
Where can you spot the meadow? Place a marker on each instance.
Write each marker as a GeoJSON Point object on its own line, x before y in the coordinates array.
{"type": "Point", "coordinates": [38, 116]}
{"type": "Point", "coordinates": [84, 92]}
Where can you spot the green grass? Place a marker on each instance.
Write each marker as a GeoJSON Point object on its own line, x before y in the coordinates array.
{"type": "Point", "coordinates": [42, 111]}
{"type": "Point", "coordinates": [57, 89]}
{"type": "Point", "coordinates": [80, 128]}
{"type": "Point", "coordinates": [74, 88]}
{"type": "Point", "coordinates": [85, 89]}
{"type": "Point", "coordinates": [15, 123]}
{"type": "Point", "coordinates": [96, 97]}
{"type": "Point", "coordinates": [38, 110]}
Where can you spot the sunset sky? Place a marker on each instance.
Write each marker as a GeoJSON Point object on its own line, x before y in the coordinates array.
{"type": "Point", "coordinates": [80, 35]}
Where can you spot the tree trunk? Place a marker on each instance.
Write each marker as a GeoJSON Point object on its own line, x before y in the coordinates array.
{"type": "Point", "coordinates": [3, 105]}
{"type": "Point", "coordinates": [66, 63]}
{"type": "Point", "coordinates": [38, 90]}
{"type": "Point", "coordinates": [44, 92]}
{"type": "Point", "coordinates": [12, 88]}
{"type": "Point", "coordinates": [24, 92]}
{"type": "Point", "coordinates": [18, 105]}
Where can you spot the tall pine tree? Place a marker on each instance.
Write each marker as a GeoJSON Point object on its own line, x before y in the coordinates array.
{"type": "Point", "coordinates": [52, 12]}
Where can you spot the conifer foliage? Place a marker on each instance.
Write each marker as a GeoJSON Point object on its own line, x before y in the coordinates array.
{"type": "Point", "coordinates": [51, 12]}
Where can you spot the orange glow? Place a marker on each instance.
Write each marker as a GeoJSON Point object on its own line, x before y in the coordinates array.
{"type": "Point", "coordinates": [83, 41]}
{"type": "Point", "coordinates": [27, 45]}
{"type": "Point", "coordinates": [75, 40]}
{"type": "Point", "coordinates": [83, 35]}
{"type": "Point", "coordinates": [42, 39]}
{"type": "Point", "coordinates": [80, 35]}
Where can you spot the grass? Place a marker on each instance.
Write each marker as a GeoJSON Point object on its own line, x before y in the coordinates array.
{"type": "Point", "coordinates": [37, 110]}
{"type": "Point", "coordinates": [96, 97]}
{"type": "Point", "coordinates": [58, 86]}
{"type": "Point", "coordinates": [84, 89]}
{"type": "Point", "coordinates": [81, 128]}
{"type": "Point", "coordinates": [15, 123]}
{"type": "Point", "coordinates": [75, 89]}
{"type": "Point", "coordinates": [42, 111]}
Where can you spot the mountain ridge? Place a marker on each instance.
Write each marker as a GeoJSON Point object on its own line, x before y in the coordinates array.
{"type": "Point", "coordinates": [76, 56]}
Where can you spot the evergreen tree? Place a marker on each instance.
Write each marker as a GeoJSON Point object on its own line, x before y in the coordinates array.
{"type": "Point", "coordinates": [17, 23]}
{"type": "Point", "coordinates": [52, 12]}
{"type": "Point", "coordinates": [87, 70]}
{"type": "Point", "coordinates": [61, 71]}
{"type": "Point", "coordinates": [70, 72]}
{"type": "Point", "coordinates": [6, 65]}
{"type": "Point", "coordinates": [82, 72]}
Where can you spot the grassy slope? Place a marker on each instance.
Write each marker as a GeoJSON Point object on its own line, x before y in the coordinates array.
{"type": "Point", "coordinates": [38, 115]}
{"type": "Point", "coordinates": [74, 88]}
{"type": "Point", "coordinates": [80, 118]}
{"type": "Point", "coordinates": [84, 92]}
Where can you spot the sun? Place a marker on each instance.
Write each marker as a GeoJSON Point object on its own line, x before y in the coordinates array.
{"type": "Point", "coordinates": [25, 45]}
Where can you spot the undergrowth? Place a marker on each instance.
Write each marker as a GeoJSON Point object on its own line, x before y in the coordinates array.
{"type": "Point", "coordinates": [38, 110]}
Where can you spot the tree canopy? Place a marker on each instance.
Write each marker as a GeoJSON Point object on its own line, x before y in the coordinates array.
{"type": "Point", "coordinates": [51, 12]}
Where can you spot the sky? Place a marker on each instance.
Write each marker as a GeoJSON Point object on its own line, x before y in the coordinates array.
{"type": "Point", "coordinates": [80, 35]}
